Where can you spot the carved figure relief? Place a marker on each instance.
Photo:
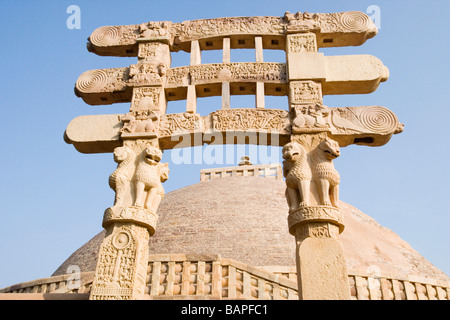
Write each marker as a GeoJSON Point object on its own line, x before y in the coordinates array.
{"type": "Point", "coordinates": [139, 174]}
{"type": "Point", "coordinates": [141, 121]}
{"type": "Point", "coordinates": [324, 174]}
{"type": "Point", "coordinates": [302, 43]}
{"type": "Point", "coordinates": [153, 29]}
{"type": "Point", "coordinates": [148, 50]}
{"type": "Point", "coordinates": [298, 175]}
{"type": "Point", "coordinates": [186, 31]}
{"type": "Point", "coordinates": [310, 118]}
{"type": "Point", "coordinates": [301, 21]}
{"type": "Point", "coordinates": [311, 163]}
{"type": "Point", "coordinates": [147, 74]}
{"type": "Point", "coordinates": [179, 123]}
{"type": "Point", "coordinates": [120, 178]}
{"type": "Point", "coordinates": [270, 120]}
{"type": "Point", "coordinates": [232, 25]}
{"type": "Point", "coordinates": [305, 92]}
{"type": "Point", "coordinates": [147, 178]}
{"type": "Point", "coordinates": [146, 98]}
{"type": "Point", "coordinates": [122, 257]}
{"type": "Point", "coordinates": [242, 71]}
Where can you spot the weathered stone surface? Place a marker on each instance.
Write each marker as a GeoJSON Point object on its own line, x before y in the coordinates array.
{"type": "Point", "coordinates": [352, 74]}
{"type": "Point", "coordinates": [371, 126]}
{"type": "Point", "coordinates": [350, 28]}
{"type": "Point", "coordinates": [310, 132]}
{"type": "Point", "coordinates": [321, 270]}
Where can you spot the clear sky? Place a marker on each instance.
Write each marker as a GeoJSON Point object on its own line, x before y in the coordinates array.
{"type": "Point", "coordinates": [53, 198]}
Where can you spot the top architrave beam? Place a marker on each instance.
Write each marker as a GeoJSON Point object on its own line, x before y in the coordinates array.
{"type": "Point", "coordinates": [351, 28]}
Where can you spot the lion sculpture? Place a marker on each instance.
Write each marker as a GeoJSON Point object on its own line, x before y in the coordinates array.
{"type": "Point", "coordinates": [147, 178]}
{"type": "Point", "coordinates": [324, 174]}
{"type": "Point", "coordinates": [298, 175]}
{"type": "Point", "coordinates": [121, 177]}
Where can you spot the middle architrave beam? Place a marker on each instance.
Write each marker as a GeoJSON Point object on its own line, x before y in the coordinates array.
{"type": "Point", "coordinates": [353, 74]}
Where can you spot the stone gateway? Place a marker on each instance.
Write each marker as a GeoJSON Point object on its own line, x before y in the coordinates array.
{"type": "Point", "coordinates": [297, 239]}
{"type": "Point", "coordinates": [310, 132]}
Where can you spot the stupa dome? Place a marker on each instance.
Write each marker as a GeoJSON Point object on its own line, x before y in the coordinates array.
{"type": "Point", "coordinates": [227, 238]}
{"type": "Point", "coordinates": [245, 218]}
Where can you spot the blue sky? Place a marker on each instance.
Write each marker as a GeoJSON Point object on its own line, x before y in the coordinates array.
{"type": "Point", "coordinates": [53, 198]}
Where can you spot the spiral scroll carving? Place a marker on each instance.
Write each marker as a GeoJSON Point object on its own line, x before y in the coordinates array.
{"type": "Point", "coordinates": [355, 21]}
{"type": "Point", "coordinates": [378, 119]}
{"type": "Point", "coordinates": [104, 36]}
{"type": "Point", "coordinates": [92, 80]}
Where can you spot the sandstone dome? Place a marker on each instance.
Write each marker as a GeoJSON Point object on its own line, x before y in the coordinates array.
{"type": "Point", "coordinates": [245, 218]}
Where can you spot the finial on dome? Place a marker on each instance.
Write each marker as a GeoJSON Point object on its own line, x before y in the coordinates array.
{"type": "Point", "coordinates": [245, 161]}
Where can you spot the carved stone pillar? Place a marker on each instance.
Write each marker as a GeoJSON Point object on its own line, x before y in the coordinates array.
{"type": "Point", "coordinates": [312, 182]}
{"type": "Point", "coordinates": [321, 269]}
{"type": "Point", "coordinates": [123, 258]}
{"type": "Point", "coordinates": [314, 216]}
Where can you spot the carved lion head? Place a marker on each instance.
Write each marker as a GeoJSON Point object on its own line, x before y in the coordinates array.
{"type": "Point", "coordinates": [152, 155]}
{"type": "Point", "coordinates": [292, 150]}
{"type": "Point", "coordinates": [330, 148]}
{"type": "Point", "coordinates": [121, 153]}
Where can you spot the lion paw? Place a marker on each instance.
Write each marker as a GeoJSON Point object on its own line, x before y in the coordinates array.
{"type": "Point", "coordinates": [303, 204]}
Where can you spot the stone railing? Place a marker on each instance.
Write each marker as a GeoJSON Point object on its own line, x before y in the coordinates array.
{"type": "Point", "coordinates": [263, 170]}
{"type": "Point", "coordinates": [212, 277]}
{"type": "Point", "coordinates": [385, 287]}
{"type": "Point", "coordinates": [68, 283]}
